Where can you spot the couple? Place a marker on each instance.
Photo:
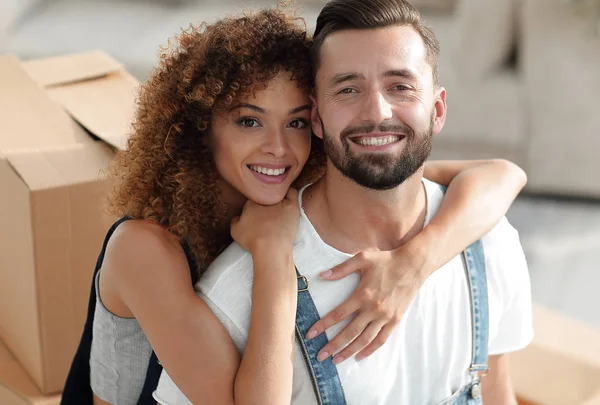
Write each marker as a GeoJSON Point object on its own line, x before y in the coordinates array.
{"type": "Point", "coordinates": [224, 127]}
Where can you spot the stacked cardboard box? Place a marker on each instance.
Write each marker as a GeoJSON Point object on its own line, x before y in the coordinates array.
{"type": "Point", "coordinates": [16, 387]}
{"type": "Point", "coordinates": [60, 122]}
{"type": "Point", "coordinates": [562, 364]}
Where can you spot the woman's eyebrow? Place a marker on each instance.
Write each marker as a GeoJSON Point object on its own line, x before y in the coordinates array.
{"type": "Point", "coordinates": [250, 106]}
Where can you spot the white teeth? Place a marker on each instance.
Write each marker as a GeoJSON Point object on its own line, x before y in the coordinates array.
{"type": "Point", "coordinates": [377, 141]}
{"type": "Point", "coordinates": [268, 172]}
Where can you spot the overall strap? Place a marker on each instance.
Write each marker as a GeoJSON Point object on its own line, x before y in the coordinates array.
{"type": "Point", "coordinates": [324, 375]}
{"type": "Point", "coordinates": [476, 278]}
{"type": "Point", "coordinates": [474, 263]}
{"type": "Point", "coordinates": [154, 366]}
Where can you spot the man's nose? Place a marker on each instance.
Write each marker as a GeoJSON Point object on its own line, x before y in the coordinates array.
{"type": "Point", "coordinates": [376, 108]}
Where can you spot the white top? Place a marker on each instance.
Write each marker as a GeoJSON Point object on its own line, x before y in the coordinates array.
{"type": "Point", "coordinates": [426, 358]}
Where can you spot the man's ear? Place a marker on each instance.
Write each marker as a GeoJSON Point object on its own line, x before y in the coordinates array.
{"type": "Point", "coordinates": [439, 113]}
{"type": "Point", "coordinates": [315, 120]}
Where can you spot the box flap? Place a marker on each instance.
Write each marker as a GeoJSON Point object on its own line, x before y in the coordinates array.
{"type": "Point", "coordinates": [60, 70]}
{"type": "Point", "coordinates": [94, 89]}
{"type": "Point", "coordinates": [30, 119]}
{"type": "Point", "coordinates": [104, 106]}
{"type": "Point", "coordinates": [14, 379]}
{"type": "Point", "coordinates": [56, 167]}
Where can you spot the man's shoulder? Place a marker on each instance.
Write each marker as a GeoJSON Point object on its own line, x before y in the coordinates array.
{"type": "Point", "coordinates": [232, 267]}
{"type": "Point", "coordinates": [434, 193]}
{"type": "Point", "coordinates": [504, 256]}
{"type": "Point", "coordinates": [503, 239]}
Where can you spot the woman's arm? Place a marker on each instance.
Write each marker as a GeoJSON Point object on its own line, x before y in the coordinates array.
{"type": "Point", "coordinates": [266, 373]}
{"type": "Point", "coordinates": [145, 272]}
{"type": "Point", "coordinates": [480, 193]}
{"type": "Point", "coordinates": [192, 344]}
{"type": "Point", "coordinates": [478, 196]}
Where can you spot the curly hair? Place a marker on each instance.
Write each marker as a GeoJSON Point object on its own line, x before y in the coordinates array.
{"type": "Point", "coordinates": [167, 173]}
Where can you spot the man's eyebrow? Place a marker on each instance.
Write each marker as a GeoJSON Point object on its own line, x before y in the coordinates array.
{"type": "Point", "coordinates": [250, 106]}
{"type": "Point", "coordinates": [406, 73]}
{"type": "Point", "coordinates": [344, 77]}
{"type": "Point", "coordinates": [298, 109]}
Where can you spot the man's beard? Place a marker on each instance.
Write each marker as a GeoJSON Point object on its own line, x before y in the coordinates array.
{"type": "Point", "coordinates": [379, 171]}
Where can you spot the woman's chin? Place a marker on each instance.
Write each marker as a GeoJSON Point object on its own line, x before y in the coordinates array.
{"type": "Point", "coordinates": [267, 198]}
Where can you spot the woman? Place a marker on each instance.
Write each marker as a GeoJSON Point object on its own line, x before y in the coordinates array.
{"type": "Point", "coordinates": [235, 91]}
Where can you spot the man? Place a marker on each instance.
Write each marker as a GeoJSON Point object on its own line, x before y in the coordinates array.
{"type": "Point", "coordinates": [377, 106]}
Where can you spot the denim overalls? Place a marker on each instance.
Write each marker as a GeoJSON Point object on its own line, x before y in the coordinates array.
{"type": "Point", "coordinates": [325, 379]}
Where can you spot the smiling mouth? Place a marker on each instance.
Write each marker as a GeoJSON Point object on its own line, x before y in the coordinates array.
{"type": "Point", "coordinates": [269, 171]}
{"type": "Point", "coordinates": [377, 140]}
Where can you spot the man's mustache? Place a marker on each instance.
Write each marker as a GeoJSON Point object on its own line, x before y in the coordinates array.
{"type": "Point", "coordinates": [366, 129]}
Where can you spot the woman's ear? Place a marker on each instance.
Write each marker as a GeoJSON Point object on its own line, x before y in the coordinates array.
{"type": "Point", "coordinates": [207, 139]}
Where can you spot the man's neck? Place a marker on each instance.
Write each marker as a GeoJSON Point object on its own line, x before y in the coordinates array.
{"type": "Point", "coordinates": [352, 219]}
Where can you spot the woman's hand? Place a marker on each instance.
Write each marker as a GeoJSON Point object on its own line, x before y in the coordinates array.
{"type": "Point", "coordinates": [389, 283]}
{"type": "Point", "coordinates": [274, 225]}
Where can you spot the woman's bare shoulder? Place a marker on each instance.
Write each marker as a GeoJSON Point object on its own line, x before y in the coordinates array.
{"type": "Point", "coordinates": [143, 252]}
{"type": "Point", "coordinates": [144, 241]}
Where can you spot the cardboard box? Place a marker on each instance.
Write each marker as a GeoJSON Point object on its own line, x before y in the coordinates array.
{"type": "Point", "coordinates": [595, 400]}
{"type": "Point", "coordinates": [16, 388]}
{"type": "Point", "coordinates": [562, 364]}
{"type": "Point", "coordinates": [57, 117]}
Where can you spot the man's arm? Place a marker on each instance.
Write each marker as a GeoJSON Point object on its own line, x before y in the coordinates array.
{"type": "Point", "coordinates": [496, 385]}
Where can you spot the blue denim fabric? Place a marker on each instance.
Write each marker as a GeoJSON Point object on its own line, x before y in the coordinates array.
{"type": "Point", "coordinates": [476, 278]}
{"type": "Point", "coordinates": [324, 375]}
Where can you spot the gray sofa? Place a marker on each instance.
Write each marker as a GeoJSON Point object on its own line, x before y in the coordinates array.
{"type": "Point", "coordinates": [522, 75]}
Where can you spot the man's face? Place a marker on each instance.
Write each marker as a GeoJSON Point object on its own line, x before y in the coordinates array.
{"type": "Point", "coordinates": [376, 105]}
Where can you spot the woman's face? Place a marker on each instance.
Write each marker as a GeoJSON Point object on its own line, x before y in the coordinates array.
{"type": "Point", "coordinates": [262, 142]}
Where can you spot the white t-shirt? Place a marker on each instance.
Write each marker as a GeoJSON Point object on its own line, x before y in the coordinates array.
{"type": "Point", "coordinates": [426, 358]}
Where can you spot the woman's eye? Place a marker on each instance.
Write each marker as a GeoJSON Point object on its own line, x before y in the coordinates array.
{"type": "Point", "coordinates": [248, 122]}
{"type": "Point", "coordinates": [298, 124]}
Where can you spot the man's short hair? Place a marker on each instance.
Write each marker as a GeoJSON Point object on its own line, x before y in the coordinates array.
{"type": "Point", "coordinates": [338, 15]}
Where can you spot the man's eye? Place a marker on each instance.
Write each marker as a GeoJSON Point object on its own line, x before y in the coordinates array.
{"type": "Point", "coordinates": [248, 122]}
{"type": "Point", "coordinates": [401, 87]}
{"type": "Point", "coordinates": [347, 90]}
